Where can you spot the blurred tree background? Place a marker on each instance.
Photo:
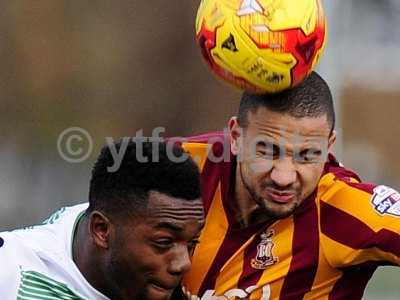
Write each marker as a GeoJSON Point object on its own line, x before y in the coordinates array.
{"type": "Point", "coordinates": [115, 67]}
{"type": "Point", "coordinates": [109, 68]}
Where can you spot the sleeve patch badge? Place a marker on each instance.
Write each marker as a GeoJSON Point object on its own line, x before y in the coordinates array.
{"type": "Point", "coordinates": [386, 200]}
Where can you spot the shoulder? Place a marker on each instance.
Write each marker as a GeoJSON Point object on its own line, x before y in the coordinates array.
{"type": "Point", "coordinates": [216, 140]}
{"type": "Point", "coordinates": [212, 153]}
{"type": "Point", "coordinates": [34, 248]}
{"type": "Point", "coordinates": [53, 235]}
{"type": "Point", "coordinates": [356, 214]}
{"type": "Point", "coordinates": [342, 189]}
{"type": "Point", "coordinates": [213, 147]}
{"type": "Point", "coordinates": [67, 212]}
{"type": "Point", "coordinates": [13, 253]}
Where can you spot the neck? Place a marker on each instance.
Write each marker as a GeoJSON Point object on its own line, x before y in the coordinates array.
{"type": "Point", "coordinates": [84, 256]}
{"type": "Point", "coordinates": [248, 211]}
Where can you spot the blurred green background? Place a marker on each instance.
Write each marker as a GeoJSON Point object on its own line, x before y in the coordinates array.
{"type": "Point", "coordinates": [115, 67]}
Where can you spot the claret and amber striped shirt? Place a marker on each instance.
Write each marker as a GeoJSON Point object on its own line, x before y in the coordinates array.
{"type": "Point", "coordinates": [328, 249]}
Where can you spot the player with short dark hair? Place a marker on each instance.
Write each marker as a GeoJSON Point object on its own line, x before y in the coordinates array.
{"type": "Point", "coordinates": [132, 241]}
{"type": "Point", "coordinates": [284, 220]}
{"type": "Point", "coordinates": [311, 99]}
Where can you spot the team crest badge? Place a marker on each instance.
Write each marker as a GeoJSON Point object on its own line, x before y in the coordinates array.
{"type": "Point", "coordinates": [265, 256]}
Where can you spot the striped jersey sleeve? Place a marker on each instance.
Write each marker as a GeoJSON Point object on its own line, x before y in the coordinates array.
{"type": "Point", "coordinates": [360, 223]}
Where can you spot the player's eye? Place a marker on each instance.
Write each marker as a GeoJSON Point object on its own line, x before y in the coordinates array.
{"type": "Point", "coordinates": [267, 150]}
{"type": "Point", "coordinates": [192, 245]}
{"type": "Point", "coordinates": [163, 243]}
{"type": "Point", "coordinates": [308, 156]}
{"type": "Point", "coordinates": [265, 153]}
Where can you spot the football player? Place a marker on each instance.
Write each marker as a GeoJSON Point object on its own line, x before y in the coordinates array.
{"type": "Point", "coordinates": [133, 240]}
{"type": "Point", "coordinates": [284, 220]}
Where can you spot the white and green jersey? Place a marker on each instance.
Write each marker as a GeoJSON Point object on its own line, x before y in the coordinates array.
{"type": "Point", "coordinates": [36, 262]}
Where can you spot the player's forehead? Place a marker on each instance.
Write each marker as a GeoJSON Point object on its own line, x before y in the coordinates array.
{"type": "Point", "coordinates": [277, 125]}
{"type": "Point", "coordinates": [166, 208]}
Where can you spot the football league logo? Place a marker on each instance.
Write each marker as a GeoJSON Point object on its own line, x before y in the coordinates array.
{"type": "Point", "coordinates": [265, 256]}
{"type": "Point", "coordinates": [386, 200]}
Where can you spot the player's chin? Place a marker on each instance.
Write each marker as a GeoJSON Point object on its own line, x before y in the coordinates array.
{"type": "Point", "coordinates": [280, 210]}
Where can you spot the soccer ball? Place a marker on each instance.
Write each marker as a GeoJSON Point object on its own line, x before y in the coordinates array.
{"type": "Point", "coordinates": [262, 46]}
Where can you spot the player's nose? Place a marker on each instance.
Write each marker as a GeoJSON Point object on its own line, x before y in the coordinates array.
{"type": "Point", "coordinates": [180, 263]}
{"type": "Point", "coordinates": [283, 172]}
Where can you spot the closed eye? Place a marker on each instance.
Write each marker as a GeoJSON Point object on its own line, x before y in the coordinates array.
{"type": "Point", "coordinates": [311, 155]}
{"type": "Point", "coordinates": [164, 243]}
{"type": "Point", "coordinates": [192, 245]}
{"type": "Point", "coordinates": [267, 150]}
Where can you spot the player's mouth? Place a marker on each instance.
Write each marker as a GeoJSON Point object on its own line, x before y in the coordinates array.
{"type": "Point", "coordinates": [160, 291]}
{"type": "Point", "coordinates": [279, 196]}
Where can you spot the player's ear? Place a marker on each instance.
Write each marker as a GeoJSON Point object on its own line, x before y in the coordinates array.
{"type": "Point", "coordinates": [100, 229]}
{"type": "Point", "coordinates": [331, 140]}
{"type": "Point", "coordinates": [235, 132]}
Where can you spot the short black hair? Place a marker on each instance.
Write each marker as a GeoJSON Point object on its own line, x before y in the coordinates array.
{"type": "Point", "coordinates": [155, 166]}
{"type": "Point", "coordinates": [312, 98]}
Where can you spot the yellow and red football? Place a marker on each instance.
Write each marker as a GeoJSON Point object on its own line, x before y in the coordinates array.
{"type": "Point", "coordinates": [263, 46]}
